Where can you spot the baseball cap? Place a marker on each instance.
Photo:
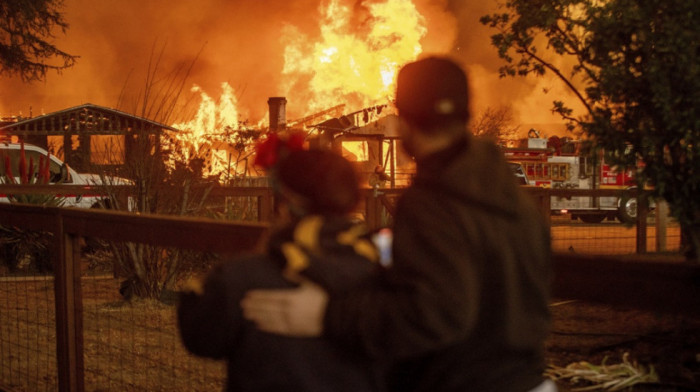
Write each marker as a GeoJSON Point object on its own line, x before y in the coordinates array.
{"type": "Point", "coordinates": [431, 91]}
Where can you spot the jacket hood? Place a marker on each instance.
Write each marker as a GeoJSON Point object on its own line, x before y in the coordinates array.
{"type": "Point", "coordinates": [478, 173]}
{"type": "Point", "coordinates": [334, 252]}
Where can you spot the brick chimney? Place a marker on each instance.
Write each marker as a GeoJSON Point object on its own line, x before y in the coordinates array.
{"type": "Point", "coordinates": [278, 113]}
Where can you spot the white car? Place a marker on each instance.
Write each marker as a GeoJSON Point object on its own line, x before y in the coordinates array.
{"type": "Point", "coordinates": [59, 172]}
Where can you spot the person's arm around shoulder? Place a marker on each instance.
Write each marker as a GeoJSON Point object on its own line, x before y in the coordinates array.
{"type": "Point", "coordinates": [426, 299]}
{"type": "Point", "coordinates": [295, 312]}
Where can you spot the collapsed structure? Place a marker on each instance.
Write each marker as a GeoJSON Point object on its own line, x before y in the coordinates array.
{"type": "Point", "coordinates": [89, 137]}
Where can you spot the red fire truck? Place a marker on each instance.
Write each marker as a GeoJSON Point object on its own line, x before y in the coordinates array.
{"type": "Point", "coordinates": [569, 164]}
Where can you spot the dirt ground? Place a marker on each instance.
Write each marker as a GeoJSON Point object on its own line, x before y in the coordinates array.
{"type": "Point", "coordinates": [594, 333]}
{"type": "Point", "coordinates": [670, 343]}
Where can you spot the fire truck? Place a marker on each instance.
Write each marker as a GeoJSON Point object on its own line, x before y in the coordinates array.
{"type": "Point", "coordinates": [562, 163]}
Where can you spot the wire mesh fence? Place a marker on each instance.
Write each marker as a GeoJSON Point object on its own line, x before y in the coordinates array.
{"type": "Point", "coordinates": [133, 344]}
{"type": "Point", "coordinates": [128, 345]}
{"type": "Point", "coordinates": [611, 237]}
{"type": "Point", "coordinates": [27, 333]}
{"type": "Point", "coordinates": [122, 341]}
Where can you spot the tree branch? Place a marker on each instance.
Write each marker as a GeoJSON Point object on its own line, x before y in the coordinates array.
{"type": "Point", "coordinates": [560, 75]}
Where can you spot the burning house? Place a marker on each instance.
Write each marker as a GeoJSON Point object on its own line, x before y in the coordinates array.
{"type": "Point", "coordinates": [348, 60]}
{"type": "Point", "coordinates": [88, 137]}
{"type": "Point", "coordinates": [368, 138]}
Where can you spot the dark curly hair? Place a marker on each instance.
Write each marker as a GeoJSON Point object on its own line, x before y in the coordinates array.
{"type": "Point", "coordinates": [326, 180]}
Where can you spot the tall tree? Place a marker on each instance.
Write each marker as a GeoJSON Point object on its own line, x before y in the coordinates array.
{"type": "Point", "coordinates": [636, 70]}
{"type": "Point", "coordinates": [26, 28]}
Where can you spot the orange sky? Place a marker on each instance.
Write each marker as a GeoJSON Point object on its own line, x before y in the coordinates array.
{"type": "Point", "coordinates": [240, 44]}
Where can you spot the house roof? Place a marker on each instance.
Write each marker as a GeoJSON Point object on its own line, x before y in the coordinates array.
{"type": "Point", "coordinates": [349, 123]}
{"type": "Point", "coordinates": [83, 118]}
{"type": "Point", "coordinates": [386, 125]}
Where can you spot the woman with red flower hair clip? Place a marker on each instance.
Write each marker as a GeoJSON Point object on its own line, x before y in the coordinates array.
{"type": "Point", "coordinates": [316, 190]}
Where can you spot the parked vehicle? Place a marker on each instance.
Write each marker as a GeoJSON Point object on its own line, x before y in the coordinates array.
{"type": "Point", "coordinates": [563, 163]}
{"type": "Point", "coordinates": [58, 173]}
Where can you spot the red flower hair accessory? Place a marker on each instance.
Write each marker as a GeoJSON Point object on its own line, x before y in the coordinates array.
{"type": "Point", "coordinates": [274, 148]}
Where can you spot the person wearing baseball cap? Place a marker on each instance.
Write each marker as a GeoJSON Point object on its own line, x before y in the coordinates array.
{"type": "Point", "coordinates": [464, 305]}
{"type": "Point", "coordinates": [432, 93]}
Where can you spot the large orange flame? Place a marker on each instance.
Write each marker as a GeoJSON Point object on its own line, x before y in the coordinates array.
{"type": "Point", "coordinates": [357, 57]}
{"type": "Point", "coordinates": [212, 116]}
{"type": "Point", "coordinates": [353, 62]}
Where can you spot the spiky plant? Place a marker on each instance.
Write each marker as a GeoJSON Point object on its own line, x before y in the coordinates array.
{"type": "Point", "coordinates": [30, 175]}
{"type": "Point", "coordinates": [20, 247]}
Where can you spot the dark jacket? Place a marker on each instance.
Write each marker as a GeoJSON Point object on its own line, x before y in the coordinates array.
{"type": "Point", "coordinates": [211, 324]}
{"type": "Point", "coordinates": [464, 306]}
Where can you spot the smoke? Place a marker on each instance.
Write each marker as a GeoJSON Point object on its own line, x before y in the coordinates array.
{"type": "Point", "coordinates": [238, 42]}
{"type": "Point", "coordinates": [232, 41]}
{"type": "Point", "coordinates": [530, 97]}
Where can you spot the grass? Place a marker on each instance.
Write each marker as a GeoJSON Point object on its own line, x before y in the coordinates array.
{"type": "Point", "coordinates": [608, 377]}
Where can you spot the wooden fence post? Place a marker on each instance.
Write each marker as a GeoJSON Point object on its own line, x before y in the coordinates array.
{"type": "Point", "coordinates": [266, 206]}
{"type": "Point", "coordinates": [69, 315]}
{"type": "Point", "coordinates": [372, 214]}
{"type": "Point", "coordinates": [546, 205]}
{"type": "Point", "coordinates": [642, 213]}
{"type": "Point", "coordinates": [661, 225]}
{"type": "Point", "coordinates": [542, 197]}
